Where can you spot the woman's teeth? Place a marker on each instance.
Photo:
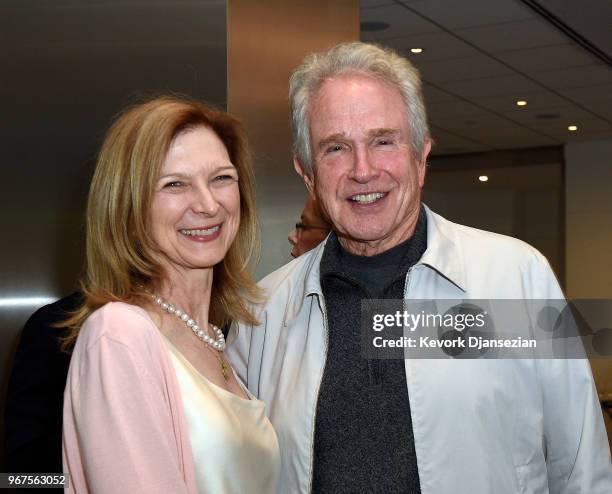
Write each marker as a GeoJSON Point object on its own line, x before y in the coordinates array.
{"type": "Point", "coordinates": [367, 198]}
{"type": "Point", "coordinates": [201, 233]}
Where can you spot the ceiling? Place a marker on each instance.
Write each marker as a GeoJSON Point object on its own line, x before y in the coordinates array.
{"type": "Point", "coordinates": [481, 56]}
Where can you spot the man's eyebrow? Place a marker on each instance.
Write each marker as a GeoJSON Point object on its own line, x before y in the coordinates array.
{"type": "Point", "coordinates": [339, 136]}
{"type": "Point", "coordinates": [383, 132]}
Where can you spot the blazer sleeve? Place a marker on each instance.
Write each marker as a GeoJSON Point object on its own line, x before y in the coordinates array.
{"type": "Point", "coordinates": [575, 439]}
{"type": "Point", "coordinates": [118, 428]}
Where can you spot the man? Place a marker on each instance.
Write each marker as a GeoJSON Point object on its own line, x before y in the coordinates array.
{"type": "Point", "coordinates": [311, 229]}
{"type": "Point", "coordinates": [349, 424]}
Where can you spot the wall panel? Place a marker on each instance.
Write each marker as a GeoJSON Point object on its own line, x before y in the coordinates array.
{"type": "Point", "coordinates": [266, 41]}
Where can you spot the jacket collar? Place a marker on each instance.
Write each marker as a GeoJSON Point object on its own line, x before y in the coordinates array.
{"type": "Point", "coordinates": [443, 254]}
{"type": "Point", "coordinates": [307, 281]}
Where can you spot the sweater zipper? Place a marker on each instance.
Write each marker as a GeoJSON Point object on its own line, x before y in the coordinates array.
{"type": "Point", "coordinates": [407, 282]}
{"type": "Point", "coordinates": [316, 403]}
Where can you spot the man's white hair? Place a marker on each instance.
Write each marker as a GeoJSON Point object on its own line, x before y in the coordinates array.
{"type": "Point", "coordinates": [365, 58]}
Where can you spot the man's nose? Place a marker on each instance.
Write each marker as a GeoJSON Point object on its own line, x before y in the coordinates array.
{"type": "Point", "coordinates": [363, 168]}
{"type": "Point", "coordinates": [293, 237]}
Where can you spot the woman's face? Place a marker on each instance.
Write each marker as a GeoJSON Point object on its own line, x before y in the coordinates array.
{"type": "Point", "coordinates": [195, 211]}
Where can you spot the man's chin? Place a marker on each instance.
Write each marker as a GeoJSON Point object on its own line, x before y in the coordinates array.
{"type": "Point", "coordinates": [364, 235]}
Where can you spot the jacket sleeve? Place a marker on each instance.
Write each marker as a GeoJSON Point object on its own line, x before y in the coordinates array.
{"type": "Point", "coordinates": [118, 433]}
{"type": "Point", "coordinates": [238, 347]}
{"type": "Point", "coordinates": [575, 440]}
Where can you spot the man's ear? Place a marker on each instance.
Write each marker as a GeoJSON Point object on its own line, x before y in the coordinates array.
{"type": "Point", "coordinates": [302, 173]}
{"type": "Point", "coordinates": [422, 165]}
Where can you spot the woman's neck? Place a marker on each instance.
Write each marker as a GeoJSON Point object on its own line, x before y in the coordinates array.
{"type": "Point", "coordinates": [189, 290]}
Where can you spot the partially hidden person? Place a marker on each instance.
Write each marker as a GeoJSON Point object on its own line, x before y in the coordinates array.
{"type": "Point", "coordinates": [34, 400]}
{"type": "Point", "coordinates": [311, 230]}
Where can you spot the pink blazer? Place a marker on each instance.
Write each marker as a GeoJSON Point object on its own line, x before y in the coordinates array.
{"type": "Point", "coordinates": [124, 426]}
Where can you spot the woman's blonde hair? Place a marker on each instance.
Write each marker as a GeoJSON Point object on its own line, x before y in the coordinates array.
{"type": "Point", "coordinates": [120, 253]}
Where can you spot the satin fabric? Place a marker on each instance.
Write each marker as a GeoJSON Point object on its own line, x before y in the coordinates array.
{"type": "Point", "coordinates": [235, 449]}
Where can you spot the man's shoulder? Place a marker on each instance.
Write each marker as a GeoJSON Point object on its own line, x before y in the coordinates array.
{"type": "Point", "coordinates": [487, 264]}
{"type": "Point", "coordinates": [488, 245]}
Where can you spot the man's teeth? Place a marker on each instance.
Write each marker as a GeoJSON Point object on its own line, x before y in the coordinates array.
{"type": "Point", "coordinates": [201, 233]}
{"type": "Point", "coordinates": [367, 198]}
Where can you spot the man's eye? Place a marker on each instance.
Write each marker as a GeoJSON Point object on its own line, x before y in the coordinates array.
{"type": "Point", "coordinates": [384, 142]}
{"type": "Point", "coordinates": [334, 148]}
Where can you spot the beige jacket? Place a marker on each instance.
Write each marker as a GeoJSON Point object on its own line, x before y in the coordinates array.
{"type": "Point", "coordinates": [480, 426]}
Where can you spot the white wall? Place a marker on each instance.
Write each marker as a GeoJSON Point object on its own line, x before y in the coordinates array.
{"type": "Point", "coordinates": [588, 191]}
{"type": "Point", "coordinates": [588, 259]}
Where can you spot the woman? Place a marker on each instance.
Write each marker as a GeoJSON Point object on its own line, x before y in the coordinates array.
{"type": "Point", "coordinates": [151, 404]}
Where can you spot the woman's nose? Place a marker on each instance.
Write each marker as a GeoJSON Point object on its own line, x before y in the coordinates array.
{"type": "Point", "coordinates": [204, 202]}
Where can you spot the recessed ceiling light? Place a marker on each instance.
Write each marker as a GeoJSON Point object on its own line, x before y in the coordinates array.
{"type": "Point", "coordinates": [521, 102]}
{"type": "Point", "coordinates": [572, 128]}
{"type": "Point", "coordinates": [483, 178]}
{"type": "Point", "coordinates": [416, 50]}
{"type": "Point", "coordinates": [374, 26]}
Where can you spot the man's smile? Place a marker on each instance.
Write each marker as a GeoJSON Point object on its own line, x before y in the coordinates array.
{"type": "Point", "coordinates": [368, 198]}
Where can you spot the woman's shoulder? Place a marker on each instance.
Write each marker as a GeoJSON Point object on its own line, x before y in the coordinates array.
{"type": "Point", "coordinates": [119, 321]}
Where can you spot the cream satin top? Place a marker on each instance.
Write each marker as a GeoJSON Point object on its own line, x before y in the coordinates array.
{"type": "Point", "coordinates": [235, 449]}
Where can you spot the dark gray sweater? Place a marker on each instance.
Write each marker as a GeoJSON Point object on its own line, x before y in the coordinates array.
{"type": "Point", "coordinates": [363, 430]}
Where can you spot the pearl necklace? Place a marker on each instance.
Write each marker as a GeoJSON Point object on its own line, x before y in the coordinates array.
{"type": "Point", "coordinates": [217, 343]}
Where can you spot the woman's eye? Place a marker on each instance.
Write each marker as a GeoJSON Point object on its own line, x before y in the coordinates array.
{"type": "Point", "coordinates": [174, 185]}
{"type": "Point", "coordinates": [225, 179]}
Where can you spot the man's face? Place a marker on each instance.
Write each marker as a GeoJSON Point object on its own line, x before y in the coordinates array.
{"type": "Point", "coordinates": [365, 177]}
{"type": "Point", "coordinates": [310, 231]}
